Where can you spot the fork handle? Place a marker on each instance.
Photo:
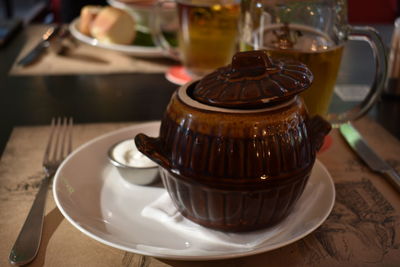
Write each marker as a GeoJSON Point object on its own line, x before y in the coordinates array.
{"type": "Point", "coordinates": [27, 244]}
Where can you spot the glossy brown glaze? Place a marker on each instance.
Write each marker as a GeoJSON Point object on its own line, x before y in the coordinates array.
{"type": "Point", "coordinates": [235, 210]}
{"type": "Point", "coordinates": [235, 169]}
{"type": "Point", "coordinates": [240, 148]}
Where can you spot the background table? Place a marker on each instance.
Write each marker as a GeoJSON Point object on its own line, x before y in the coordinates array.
{"type": "Point", "coordinates": [33, 100]}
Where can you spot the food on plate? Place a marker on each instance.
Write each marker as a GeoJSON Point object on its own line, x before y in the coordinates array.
{"type": "Point", "coordinates": [88, 14]}
{"type": "Point", "coordinates": [108, 25]}
{"type": "Point", "coordinates": [126, 153]}
{"type": "Point", "coordinates": [113, 25]}
{"type": "Point", "coordinates": [131, 164]}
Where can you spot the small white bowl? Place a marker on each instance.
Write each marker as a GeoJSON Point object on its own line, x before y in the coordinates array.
{"type": "Point", "coordinates": [131, 164]}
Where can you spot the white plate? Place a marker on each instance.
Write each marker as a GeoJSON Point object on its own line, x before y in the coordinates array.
{"type": "Point", "coordinates": [96, 200]}
{"type": "Point", "coordinates": [134, 50]}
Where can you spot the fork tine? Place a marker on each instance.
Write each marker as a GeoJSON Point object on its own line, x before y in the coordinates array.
{"type": "Point", "coordinates": [60, 140]}
{"type": "Point", "coordinates": [46, 156]}
{"type": "Point", "coordinates": [58, 132]}
{"type": "Point", "coordinates": [63, 132]}
{"type": "Point", "coordinates": [66, 145]}
{"type": "Point", "coordinates": [70, 125]}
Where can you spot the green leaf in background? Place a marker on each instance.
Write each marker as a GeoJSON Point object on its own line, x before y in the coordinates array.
{"type": "Point", "coordinates": [145, 39]}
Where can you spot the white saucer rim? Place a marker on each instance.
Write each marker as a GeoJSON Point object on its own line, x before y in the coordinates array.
{"type": "Point", "coordinates": [259, 249]}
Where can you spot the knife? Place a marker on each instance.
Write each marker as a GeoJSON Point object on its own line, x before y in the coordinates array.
{"type": "Point", "coordinates": [365, 152]}
{"type": "Point", "coordinates": [38, 50]}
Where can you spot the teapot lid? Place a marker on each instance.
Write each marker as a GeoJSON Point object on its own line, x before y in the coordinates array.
{"type": "Point", "coordinates": [252, 80]}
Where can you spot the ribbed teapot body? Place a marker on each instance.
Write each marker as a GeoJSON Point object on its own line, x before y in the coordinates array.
{"type": "Point", "coordinates": [238, 146]}
{"type": "Point", "coordinates": [235, 170]}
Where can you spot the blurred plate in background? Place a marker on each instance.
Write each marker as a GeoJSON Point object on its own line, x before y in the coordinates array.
{"type": "Point", "coordinates": [143, 45]}
{"type": "Point", "coordinates": [144, 11]}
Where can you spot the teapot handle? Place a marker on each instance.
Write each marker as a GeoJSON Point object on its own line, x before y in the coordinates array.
{"type": "Point", "coordinates": [319, 128]}
{"type": "Point", "coordinates": [151, 147]}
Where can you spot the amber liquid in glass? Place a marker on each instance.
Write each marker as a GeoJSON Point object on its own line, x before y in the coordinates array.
{"type": "Point", "coordinates": [207, 36]}
{"type": "Point", "coordinates": [313, 48]}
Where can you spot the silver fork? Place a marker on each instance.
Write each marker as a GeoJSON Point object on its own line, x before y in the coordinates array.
{"type": "Point", "coordinates": [58, 147]}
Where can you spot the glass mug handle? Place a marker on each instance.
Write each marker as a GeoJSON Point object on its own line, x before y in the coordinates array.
{"type": "Point", "coordinates": [371, 36]}
{"type": "Point", "coordinates": [157, 33]}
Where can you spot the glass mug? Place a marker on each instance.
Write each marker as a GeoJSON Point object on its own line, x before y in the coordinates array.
{"type": "Point", "coordinates": [208, 34]}
{"type": "Point", "coordinates": [313, 32]}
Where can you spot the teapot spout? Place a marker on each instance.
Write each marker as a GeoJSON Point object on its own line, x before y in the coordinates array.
{"type": "Point", "coordinates": [151, 147]}
{"type": "Point", "coordinates": [319, 128]}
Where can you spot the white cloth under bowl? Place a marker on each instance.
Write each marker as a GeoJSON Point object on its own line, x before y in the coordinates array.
{"type": "Point", "coordinates": [164, 211]}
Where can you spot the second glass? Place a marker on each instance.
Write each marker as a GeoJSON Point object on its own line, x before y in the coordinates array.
{"type": "Point", "coordinates": [207, 34]}
{"type": "Point", "coordinates": [313, 32]}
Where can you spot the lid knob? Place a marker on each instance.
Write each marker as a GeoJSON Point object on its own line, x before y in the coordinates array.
{"type": "Point", "coordinates": [251, 64]}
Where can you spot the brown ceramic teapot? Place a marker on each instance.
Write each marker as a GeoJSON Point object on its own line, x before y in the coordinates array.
{"type": "Point", "coordinates": [237, 147]}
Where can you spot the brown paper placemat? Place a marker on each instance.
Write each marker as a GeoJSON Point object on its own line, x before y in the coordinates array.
{"type": "Point", "coordinates": [362, 230]}
{"type": "Point", "coordinates": [84, 59]}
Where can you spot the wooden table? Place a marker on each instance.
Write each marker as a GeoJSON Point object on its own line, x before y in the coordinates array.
{"type": "Point", "coordinates": [362, 230]}
{"type": "Point", "coordinates": [137, 96]}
